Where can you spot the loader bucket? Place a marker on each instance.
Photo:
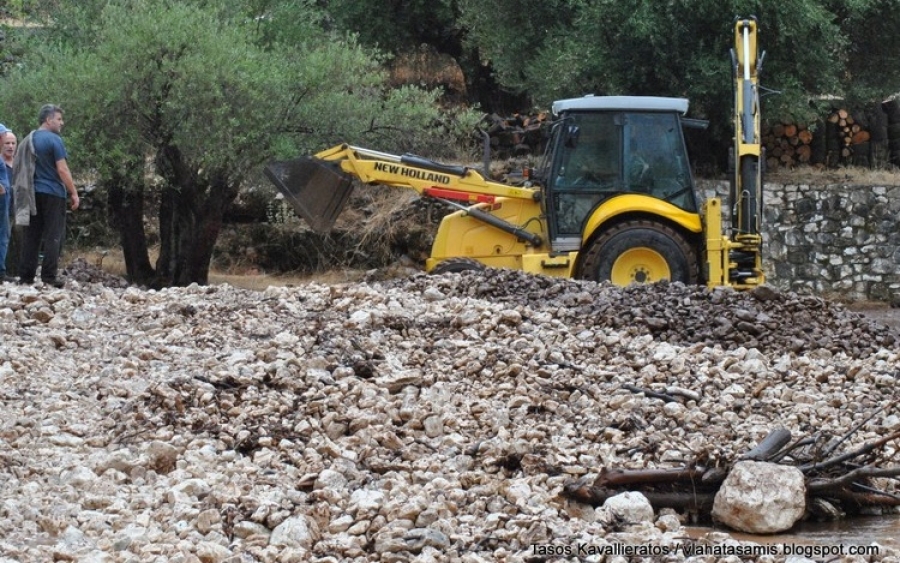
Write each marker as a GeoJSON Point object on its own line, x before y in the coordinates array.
{"type": "Point", "coordinates": [317, 190]}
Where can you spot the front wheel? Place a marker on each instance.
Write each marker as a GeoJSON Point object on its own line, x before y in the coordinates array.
{"type": "Point", "coordinates": [639, 252]}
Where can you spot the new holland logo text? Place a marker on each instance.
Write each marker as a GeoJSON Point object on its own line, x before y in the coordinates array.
{"type": "Point", "coordinates": [412, 173]}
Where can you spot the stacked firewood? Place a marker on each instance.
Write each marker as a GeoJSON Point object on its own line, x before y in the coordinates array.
{"type": "Point", "coordinates": [847, 137]}
{"type": "Point", "coordinates": [842, 138]}
{"type": "Point", "coordinates": [787, 144]}
{"type": "Point", "coordinates": [517, 135]}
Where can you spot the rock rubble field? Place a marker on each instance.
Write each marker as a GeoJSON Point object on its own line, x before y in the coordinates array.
{"type": "Point", "coordinates": [427, 419]}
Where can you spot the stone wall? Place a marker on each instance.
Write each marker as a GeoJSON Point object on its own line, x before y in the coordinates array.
{"type": "Point", "coordinates": [839, 241]}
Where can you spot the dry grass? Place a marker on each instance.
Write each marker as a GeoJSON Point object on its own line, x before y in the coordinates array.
{"type": "Point", "coordinates": [112, 262]}
{"type": "Point", "coordinates": [849, 175]}
{"type": "Point", "coordinates": [385, 204]}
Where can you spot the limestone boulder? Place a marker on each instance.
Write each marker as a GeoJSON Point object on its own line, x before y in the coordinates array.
{"type": "Point", "coordinates": [761, 498]}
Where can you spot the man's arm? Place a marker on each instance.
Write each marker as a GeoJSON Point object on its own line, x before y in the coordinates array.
{"type": "Point", "coordinates": [62, 168]}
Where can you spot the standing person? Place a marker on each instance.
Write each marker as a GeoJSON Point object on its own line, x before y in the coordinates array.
{"type": "Point", "coordinates": [8, 151]}
{"type": "Point", "coordinates": [5, 197]}
{"type": "Point", "coordinates": [8, 146]}
{"type": "Point", "coordinates": [52, 180]}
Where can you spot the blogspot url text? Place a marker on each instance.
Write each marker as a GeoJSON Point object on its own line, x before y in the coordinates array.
{"type": "Point", "coordinates": [691, 549]}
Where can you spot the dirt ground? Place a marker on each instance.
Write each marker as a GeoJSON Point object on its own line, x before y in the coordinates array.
{"type": "Point", "coordinates": [880, 312]}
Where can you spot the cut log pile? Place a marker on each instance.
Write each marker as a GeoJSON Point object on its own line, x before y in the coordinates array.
{"type": "Point", "coordinates": [838, 483]}
{"type": "Point", "coordinates": [843, 138]}
{"type": "Point", "coordinates": [868, 137]}
{"type": "Point", "coordinates": [845, 132]}
{"type": "Point", "coordinates": [517, 135]}
{"type": "Point", "coordinates": [787, 144]}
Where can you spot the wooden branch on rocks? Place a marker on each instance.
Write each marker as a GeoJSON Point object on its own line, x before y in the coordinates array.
{"type": "Point", "coordinates": [687, 500]}
{"type": "Point", "coordinates": [836, 479]}
{"type": "Point", "coordinates": [618, 477]}
{"type": "Point", "coordinates": [650, 393]}
{"type": "Point", "coordinates": [792, 447]}
{"type": "Point", "coordinates": [769, 446]}
{"type": "Point", "coordinates": [862, 487]}
{"type": "Point", "coordinates": [866, 448]}
{"type": "Point", "coordinates": [859, 499]}
{"type": "Point", "coordinates": [686, 393]}
{"type": "Point", "coordinates": [824, 486]}
{"type": "Point", "coordinates": [831, 449]}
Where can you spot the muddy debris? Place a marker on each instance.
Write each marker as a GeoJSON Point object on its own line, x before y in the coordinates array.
{"type": "Point", "coordinates": [765, 318]}
{"type": "Point", "coordinates": [431, 418]}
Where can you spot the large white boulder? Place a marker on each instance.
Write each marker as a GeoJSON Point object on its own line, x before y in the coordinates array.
{"type": "Point", "coordinates": [629, 508]}
{"type": "Point", "coordinates": [296, 531]}
{"type": "Point", "coordinates": [760, 498]}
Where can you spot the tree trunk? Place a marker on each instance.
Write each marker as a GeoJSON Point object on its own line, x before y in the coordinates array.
{"type": "Point", "coordinates": [178, 213]}
{"type": "Point", "coordinates": [219, 196]}
{"type": "Point", "coordinates": [126, 206]}
{"type": "Point", "coordinates": [176, 220]}
{"type": "Point", "coordinates": [190, 219]}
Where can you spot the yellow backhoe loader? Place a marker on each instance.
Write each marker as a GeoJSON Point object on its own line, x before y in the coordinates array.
{"type": "Point", "coordinates": [612, 199]}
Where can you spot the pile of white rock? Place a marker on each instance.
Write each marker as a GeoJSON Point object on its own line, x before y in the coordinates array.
{"type": "Point", "coordinates": [423, 419]}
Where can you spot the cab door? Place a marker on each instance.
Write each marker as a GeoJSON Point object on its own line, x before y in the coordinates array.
{"type": "Point", "coordinates": [587, 169]}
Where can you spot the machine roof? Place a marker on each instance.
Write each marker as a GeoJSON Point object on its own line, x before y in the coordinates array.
{"type": "Point", "coordinates": [598, 103]}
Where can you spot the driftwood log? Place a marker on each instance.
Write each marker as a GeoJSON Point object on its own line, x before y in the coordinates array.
{"type": "Point", "coordinates": [837, 483]}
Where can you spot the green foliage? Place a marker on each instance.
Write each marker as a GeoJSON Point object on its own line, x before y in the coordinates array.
{"type": "Point", "coordinates": [286, 22]}
{"type": "Point", "coordinates": [265, 81]}
{"type": "Point", "coordinates": [871, 47]}
{"type": "Point", "coordinates": [678, 49]}
{"type": "Point", "coordinates": [397, 25]}
{"type": "Point", "coordinates": [512, 33]}
{"type": "Point", "coordinates": [15, 8]}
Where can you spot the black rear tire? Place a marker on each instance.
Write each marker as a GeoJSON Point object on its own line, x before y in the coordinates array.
{"type": "Point", "coordinates": [640, 251]}
{"type": "Point", "coordinates": [456, 265]}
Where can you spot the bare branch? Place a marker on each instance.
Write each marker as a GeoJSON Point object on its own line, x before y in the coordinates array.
{"type": "Point", "coordinates": [867, 448]}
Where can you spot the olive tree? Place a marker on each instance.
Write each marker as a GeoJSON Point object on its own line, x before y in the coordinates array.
{"type": "Point", "coordinates": [183, 102]}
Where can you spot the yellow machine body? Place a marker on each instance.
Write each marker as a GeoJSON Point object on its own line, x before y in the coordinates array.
{"type": "Point", "coordinates": [461, 235]}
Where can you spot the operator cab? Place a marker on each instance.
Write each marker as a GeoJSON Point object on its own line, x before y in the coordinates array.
{"type": "Point", "coordinates": [606, 146]}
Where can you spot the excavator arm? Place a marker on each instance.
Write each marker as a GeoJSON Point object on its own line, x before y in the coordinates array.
{"type": "Point", "coordinates": [747, 181]}
{"type": "Point", "coordinates": [736, 260]}
{"type": "Point", "coordinates": [319, 186]}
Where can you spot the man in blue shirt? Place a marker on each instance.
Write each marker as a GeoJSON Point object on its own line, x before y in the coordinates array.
{"type": "Point", "coordinates": [5, 197]}
{"type": "Point", "coordinates": [52, 181]}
